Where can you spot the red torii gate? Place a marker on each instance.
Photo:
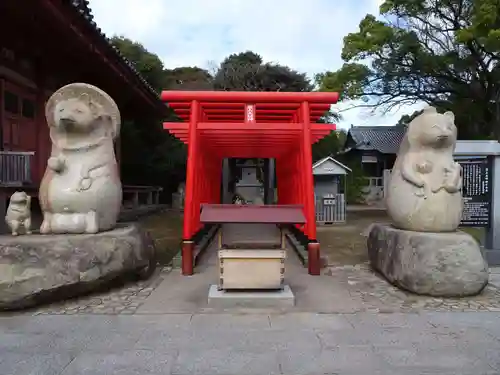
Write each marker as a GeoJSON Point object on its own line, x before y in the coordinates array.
{"type": "Point", "coordinates": [245, 124]}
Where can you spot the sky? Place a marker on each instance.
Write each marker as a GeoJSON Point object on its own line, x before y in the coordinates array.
{"type": "Point", "coordinates": [306, 35]}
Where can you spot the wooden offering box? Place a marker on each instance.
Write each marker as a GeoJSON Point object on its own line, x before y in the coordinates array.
{"type": "Point", "coordinates": [251, 243]}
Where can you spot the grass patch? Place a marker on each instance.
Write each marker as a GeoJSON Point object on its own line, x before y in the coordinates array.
{"type": "Point", "coordinates": [345, 244]}
{"type": "Point", "coordinates": [477, 233]}
{"type": "Point", "coordinates": [166, 230]}
{"type": "Point", "coordinates": [342, 244]}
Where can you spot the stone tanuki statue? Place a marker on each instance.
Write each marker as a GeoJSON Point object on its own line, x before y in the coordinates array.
{"type": "Point", "coordinates": [424, 192]}
{"type": "Point", "coordinates": [80, 248]}
{"type": "Point", "coordinates": [19, 213]}
{"type": "Point", "coordinates": [423, 251]}
{"type": "Point", "coordinates": [81, 189]}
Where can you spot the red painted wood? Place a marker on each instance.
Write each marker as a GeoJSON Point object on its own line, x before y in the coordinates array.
{"type": "Point", "coordinates": [314, 259]}
{"type": "Point", "coordinates": [250, 96]}
{"type": "Point", "coordinates": [191, 176]}
{"type": "Point", "coordinates": [246, 214]}
{"type": "Point", "coordinates": [20, 133]}
{"type": "Point", "coordinates": [277, 125]}
{"type": "Point", "coordinates": [306, 169]}
{"type": "Point", "coordinates": [187, 254]}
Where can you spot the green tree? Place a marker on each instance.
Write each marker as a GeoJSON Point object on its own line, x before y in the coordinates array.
{"type": "Point", "coordinates": [246, 71]}
{"type": "Point", "coordinates": [329, 145]}
{"type": "Point", "coordinates": [162, 158]}
{"type": "Point", "coordinates": [356, 183]}
{"type": "Point", "coordinates": [442, 52]}
{"type": "Point", "coordinates": [330, 117]}
{"type": "Point", "coordinates": [406, 119]}
{"type": "Point", "coordinates": [188, 78]}
{"type": "Point", "coordinates": [147, 63]}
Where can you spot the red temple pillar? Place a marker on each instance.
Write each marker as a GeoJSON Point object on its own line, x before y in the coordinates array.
{"type": "Point", "coordinates": [200, 172]}
{"type": "Point", "coordinates": [313, 248]}
{"type": "Point", "coordinates": [298, 172]}
{"type": "Point", "coordinates": [191, 181]}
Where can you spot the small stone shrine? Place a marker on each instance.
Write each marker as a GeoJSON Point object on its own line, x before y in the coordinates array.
{"type": "Point", "coordinates": [249, 187]}
{"type": "Point", "coordinates": [79, 246]}
{"type": "Point", "coordinates": [423, 252]}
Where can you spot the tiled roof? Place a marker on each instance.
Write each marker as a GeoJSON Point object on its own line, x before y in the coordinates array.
{"type": "Point", "coordinates": [384, 139]}
{"type": "Point", "coordinates": [82, 7]}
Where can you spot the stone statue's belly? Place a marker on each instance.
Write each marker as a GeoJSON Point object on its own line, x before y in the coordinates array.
{"type": "Point", "coordinates": [66, 195]}
{"type": "Point", "coordinates": [413, 212]}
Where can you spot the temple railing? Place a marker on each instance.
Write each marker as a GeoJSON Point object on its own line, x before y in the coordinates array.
{"type": "Point", "coordinates": [15, 167]}
{"type": "Point", "coordinates": [134, 196]}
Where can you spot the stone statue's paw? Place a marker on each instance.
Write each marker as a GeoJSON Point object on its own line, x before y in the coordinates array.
{"type": "Point", "coordinates": [85, 183]}
{"type": "Point", "coordinates": [55, 164]}
{"type": "Point", "coordinates": [92, 229]}
{"type": "Point", "coordinates": [45, 228]}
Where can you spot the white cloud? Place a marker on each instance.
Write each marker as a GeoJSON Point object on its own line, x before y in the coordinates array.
{"type": "Point", "coordinates": [306, 35]}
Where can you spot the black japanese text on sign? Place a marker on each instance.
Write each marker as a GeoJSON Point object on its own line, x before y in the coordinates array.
{"type": "Point", "coordinates": [476, 192]}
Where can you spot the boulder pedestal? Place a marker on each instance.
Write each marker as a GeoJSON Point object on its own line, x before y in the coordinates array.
{"type": "Point", "coordinates": [37, 268]}
{"type": "Point", "coordinates": [436, 264]}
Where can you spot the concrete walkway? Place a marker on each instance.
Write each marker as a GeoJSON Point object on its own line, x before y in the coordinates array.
{"type": "Point", "coordinates": [188, 294]}
{"type": "Point", "coordinates": [174, 332]}
{"type": "Point", "coordinates": [232, 344]}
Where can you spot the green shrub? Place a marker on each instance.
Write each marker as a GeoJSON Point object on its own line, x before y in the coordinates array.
{"type": "Point", "coordinates": [356, 181]}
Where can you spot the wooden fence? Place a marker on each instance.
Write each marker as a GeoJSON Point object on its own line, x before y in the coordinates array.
{"type": "Point", "coordinates": [15, 168]}
{"type": "Point", "coordinates": [331, 209]}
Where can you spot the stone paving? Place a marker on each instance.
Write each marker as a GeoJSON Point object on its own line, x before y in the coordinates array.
{"type": "Point", "coordinates": [119, 301]}
{"type": "Point", "coordinates": [265, 344]}
{"type": "Point", "coordinates": [370, 292]}
{"type": "Point", "coordinates": [380, 296]}
{"type": "Point", "coordinates": [347, 321]}
{"type": "Point", "coordinates": [386, 331]}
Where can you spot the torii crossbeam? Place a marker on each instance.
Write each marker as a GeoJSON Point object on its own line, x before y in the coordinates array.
{"type": "Point", "coordinates": [237, 124]}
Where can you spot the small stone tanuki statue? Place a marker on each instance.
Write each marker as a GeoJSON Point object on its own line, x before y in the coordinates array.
{"type": "Point", "coordinates": [424, 192]}
{"type": "Point", "coordinates": [19, 213]}
{"type": "Point", "coordinates": [81, 190]}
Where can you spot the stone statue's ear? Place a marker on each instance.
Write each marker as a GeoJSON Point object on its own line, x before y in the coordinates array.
{"type": "Point", "coordinates": [450, 115]}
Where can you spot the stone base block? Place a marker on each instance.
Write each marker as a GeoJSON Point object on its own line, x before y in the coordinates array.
{"type": "Point", "coordinates": [250, 299]}
{"type": "Point", "coordinates": [45, 268]}
{"type": "Point", "coordinates": [436, 264]}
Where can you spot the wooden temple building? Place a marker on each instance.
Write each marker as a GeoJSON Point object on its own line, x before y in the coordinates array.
{"type": "Point", "coordinates": [374, 149]}
{"type": "Point", "coordinates": [45, 44]}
